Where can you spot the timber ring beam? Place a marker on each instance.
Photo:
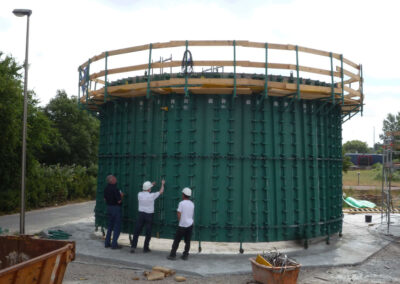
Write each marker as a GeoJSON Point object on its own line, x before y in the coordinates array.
{"type": "Point", "coordinates": [343, 84]}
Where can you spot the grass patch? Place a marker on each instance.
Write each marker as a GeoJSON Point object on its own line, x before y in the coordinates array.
{"type": "Point", "coordinates": [367, 177]}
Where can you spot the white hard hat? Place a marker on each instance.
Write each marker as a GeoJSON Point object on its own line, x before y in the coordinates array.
{"type": "Point", "coordinates": [187, 191]}
{"type": "Point", "coordinates": [147, 185]}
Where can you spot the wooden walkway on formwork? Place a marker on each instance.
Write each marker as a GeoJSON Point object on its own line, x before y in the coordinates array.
{"type": "Point", "coordinates": [344, 77]}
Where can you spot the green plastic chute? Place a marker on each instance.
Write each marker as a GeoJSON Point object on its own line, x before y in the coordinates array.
{"type": "Point", "coordinates": [359, 203]}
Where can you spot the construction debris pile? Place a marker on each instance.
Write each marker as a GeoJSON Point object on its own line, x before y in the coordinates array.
{"type": "Point", "coordinates": [275, 259]}
{"type": "Point", "coordinates": [274, 267]}
{"type": "Point", "coordinates": [159, 273]}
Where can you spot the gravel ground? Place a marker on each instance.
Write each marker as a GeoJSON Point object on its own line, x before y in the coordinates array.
{"type": "Point", "coordinates": [383, 267]}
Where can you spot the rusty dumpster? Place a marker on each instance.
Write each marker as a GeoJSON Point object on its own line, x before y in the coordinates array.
{"type": "Point", "coordinates": [274, 275]}
{"type": "Point", "coordinates": [24, 259]}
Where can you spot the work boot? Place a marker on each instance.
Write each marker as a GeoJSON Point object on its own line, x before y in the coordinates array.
{"type": "Point", "coordinates": [184, 257]}
{"type": "Point", "coordinates": [170, 257]}
{"type": "Point", "coordinates": [146, 250]}
{"type": "Point", "coordinates": [117, 247]}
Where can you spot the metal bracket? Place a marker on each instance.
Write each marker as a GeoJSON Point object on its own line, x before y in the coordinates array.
{"type": "Point", "coordinates": [148, 72]}
{"type": "Point", "coordinates": [186, 73]}
{"type": "Point", "coordinates": [79, 85]}
{"type": "Point", "coordinates": [105, 77]}
{"type": "Point", "coordinates": [234, 69]}
{"type": "Point", "coordinates": [298, 72]}
{"type": "Point", "coordinates": [87, 82]}
{"type": "Point", "coordinates": [332, 79]}
{"type": "Point", "coordinates": [266, 71]}
{"type": "Point", "coordinates": [362, 89]}
{"type": "Point", "coordinates": [342, 75]}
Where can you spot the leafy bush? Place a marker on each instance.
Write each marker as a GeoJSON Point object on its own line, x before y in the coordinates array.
{"type": "Point", "coordinates": [50, 185]}
{"type": "Point", "coordinates": [378, 173]}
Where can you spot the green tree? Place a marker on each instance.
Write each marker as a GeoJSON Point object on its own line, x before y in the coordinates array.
{"type": "Point", "coordinates": [355, 146]}
{"type": "Point", "coordinates": [391, 123]}
{"type": "Point", "coordinates": [38, 132]}
{"type": "Point", "coordinates": [59, 134]}
{"type": "Point", "coordinates": [378, 148]}
{"type": "Point", "coordinates": [10, 123]}
{"type": "Point", "coordinates": [346, 164]}
{"type": "Point", "coordinates": [78, 133]}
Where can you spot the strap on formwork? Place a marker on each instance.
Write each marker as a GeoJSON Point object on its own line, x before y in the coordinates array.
{"type": "Point", "coordinates": [148, 72]}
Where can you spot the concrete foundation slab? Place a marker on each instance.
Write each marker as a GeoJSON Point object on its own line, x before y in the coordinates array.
{"type": "Point", "coordinates": [360, 240]}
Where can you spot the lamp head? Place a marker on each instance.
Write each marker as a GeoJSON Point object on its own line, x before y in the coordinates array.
{"type": "Point", "coordinates": [22, 12]}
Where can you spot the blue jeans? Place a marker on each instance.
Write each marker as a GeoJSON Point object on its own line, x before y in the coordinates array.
{"type": "Point", "coordinates": [114, 224]}
{"type": "Point", "coordinates": [144, 219]}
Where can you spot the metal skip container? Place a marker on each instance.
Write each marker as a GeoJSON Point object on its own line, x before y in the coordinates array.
{"type": "Point", "coordinates": [264, 164]}
{"type": "Point", "coordinates": [24, 259]}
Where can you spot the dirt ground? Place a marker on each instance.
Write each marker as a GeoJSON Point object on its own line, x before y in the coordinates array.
{"type": "Point", "coordinates": [383, 267]}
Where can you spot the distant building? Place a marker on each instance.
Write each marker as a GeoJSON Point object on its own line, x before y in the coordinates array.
{"type": "Point", "coordinates": [364, 160]}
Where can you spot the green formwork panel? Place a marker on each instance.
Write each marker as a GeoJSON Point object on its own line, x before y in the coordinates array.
{"type": "Point", "coordinates": [261, 169]}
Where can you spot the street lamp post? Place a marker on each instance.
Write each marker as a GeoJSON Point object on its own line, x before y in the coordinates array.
{"type": "Point", "coordinates": [22, 13]}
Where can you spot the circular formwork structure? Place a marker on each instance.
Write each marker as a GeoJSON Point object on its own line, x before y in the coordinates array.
{"type": "Point", "coordinates": [259, 144]}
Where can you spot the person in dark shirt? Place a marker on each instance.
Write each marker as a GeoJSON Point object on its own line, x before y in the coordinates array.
{"type": "Point", "coordinates": [113, 198]}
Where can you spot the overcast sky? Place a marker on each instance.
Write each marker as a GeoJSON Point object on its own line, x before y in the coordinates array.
{"type": "Point", "coordinates": [66, 33]}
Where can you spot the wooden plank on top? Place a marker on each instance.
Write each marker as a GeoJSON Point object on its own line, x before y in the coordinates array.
{"type": "Point", "coordinates": [93, 59]}
{"type": "Point", "coordinates": [310, 88]}
{"type": "Point", "coordinates": [210, 42]}
{"type": "Point", "coordinates": [129, 49]}
{"type": "Point", "coordinates": [352, 92]}
{"type": "Point", "coordinates": [174, 43]}
{"type": "Point", "coordinates": [318, 52]}
{"type": "Point", "coordinates": [99, 81]}
{"type": "Point", "coordinates": [246, 43]}
{"type": "Point", "coordinates": [348, 73]}
{"type": "Point", "coordinates": [316, 70]}
{"type": "Point", "coordinates": [349, 81]}
{"type": "Point", "coordinates": [351, 63]}
{"type": "Point", "coordinates": [278, 46]}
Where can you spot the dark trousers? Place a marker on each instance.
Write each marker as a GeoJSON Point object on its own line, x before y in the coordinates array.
{"type": "Point", "coordinates": [185, 233]}
{"type": "Point", "coordinates": [114, 224]}
{"type": "Point", "coordinates": [144, 219]}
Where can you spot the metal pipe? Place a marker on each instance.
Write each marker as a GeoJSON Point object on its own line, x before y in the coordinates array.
{"type": "Point", "coordinates": [21, 13]}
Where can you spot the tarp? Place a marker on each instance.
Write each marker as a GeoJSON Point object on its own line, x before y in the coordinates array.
{"type": "Point", "coordinates": [359, 203]}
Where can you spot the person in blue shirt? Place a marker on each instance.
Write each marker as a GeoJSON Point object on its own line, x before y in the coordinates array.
{"type": "Point", "coordinates": [113, 198]}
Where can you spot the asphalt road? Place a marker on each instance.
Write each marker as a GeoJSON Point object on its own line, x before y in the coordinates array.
{"type": "Point", "coordinates": [38, 220]}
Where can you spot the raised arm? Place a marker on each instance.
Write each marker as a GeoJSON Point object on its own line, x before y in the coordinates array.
{"type": "Point", "coordinates": [162, 187]}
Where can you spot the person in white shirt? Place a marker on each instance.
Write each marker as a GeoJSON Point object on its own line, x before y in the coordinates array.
{"type": "Point", "coordinates": [185, 216]}
{"type": "Point", "coordinates": [146, 212]}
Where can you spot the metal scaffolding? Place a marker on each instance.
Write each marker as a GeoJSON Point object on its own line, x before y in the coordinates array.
{"type": "Point", "coordinates": [391, 147]}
